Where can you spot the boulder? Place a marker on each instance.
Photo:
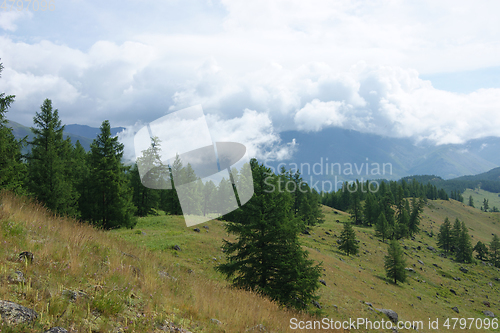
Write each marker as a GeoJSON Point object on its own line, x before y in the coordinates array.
{"type": "Point", "coordinates": [455, 309]}
{"type": "Point", "coordinates": [196, 230]}
{"type": "Point", "coordinates": [215, 321]}
{"type": "Point", "coordinates": [177, 248]}
{"type": "Point", "coordinates": [489, 314]}
{"type": "Point", "coordinates": [57, 330]}
{"type": "Point", "coordinates": [430, 248]}
{"type": "Point", "coordinates": [392, 315]}
{"type": "Point", "coordinates": [14, 314]}
{"type": "Point", "coordinates": [463, 270]}
{"type": "Point", "coordinates": [323, 282]}
{"type": "Point", "coordinates": [16, 277]}
{"type": "Point", "coordinates": [453, 291]}
{"type": "Point", "coordinates": [420, 262]}
{"type": "Point", "coordinates": [206, 227]}
{"type": "Point", "coordinates": [316, 304]}
{"type": "Point", "coordinates": [486, 303]}
{"type": "Point", "coordinates": [28, 256]}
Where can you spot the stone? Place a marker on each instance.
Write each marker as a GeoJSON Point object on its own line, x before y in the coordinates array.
{"type": "Point", "coordinates": [463, 270]}
{"type": "Point", "coordinates": [316, 304]}
{"type": "Point", "coordinates": [196, 230]}
{"type": "Point", "coordinates": [215, 321]}
{"type": "Point", "coordinates": [306, 232]}
{"type": "Point", "coordinates": [326, 232]}
{"type": "Point", "coordinates": [420, 262]}
{"type": "Point", "coordinates": [257, 328]}
{"type": "Point", "coordinates": [455, 309]}
{"type": "Point", "coordinates": [369, 304]}
{"type": "Point", "coordinates": [177, 248]}
{"type": "Point", "coordinates": [28, 256]}
{"type": "Point", "coordinates": [430, 248]}
{"type": "Point", "coordinates": [392, 315]}
{"type": "Point", "coordinates": [486, 303]}
{"type": "Point", "coordinates": [16, 277]}
{"type": "Point", "coordinates": [323, 282]}
{"type": "Point", "coordinates": [57, 330]}
{"type": "Point", "coordinates": [419, 298]}
{"type": "Point", "coordinates": [409, 269]}
{"type": "Point", "coordinates": [489, 314]}
{"type": "Point", "coordinates": [14, 314]}
{"type": "Point", "coordinates": [206, 227]}
{"type": "Point", "coordinates": [453, 291]}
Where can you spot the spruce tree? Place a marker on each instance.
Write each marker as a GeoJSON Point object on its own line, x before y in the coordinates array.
{"type": "Point", "coordinates": [471, 201]}
{"type": "Point", "coordinates": [111, 197]}
{"type": "Point", "coordinates": [495, 251]}
{"type": "Point", "coordinates": [355, 209]}
{"type": "Point", "coordinates": [455, 235]}
{"type": "Point", "coordinates": [382, 228]}
{"type": "Point", "coordinates": [464, 246]}
{"type": "Point", "coordinates": [12, 168]}
{"type": "Point", "coordinates": [394, 263]}
{"type": "Point", "coordinates": [481, 250]}
{"type": "Point", "coordinates": [348, 243]}
{"type": "Point", "coordinates": [486, 205]}
{"type": "Point", "coordinates": [267, 256]}
{"type": "Point", "coordinates": [50, 175]}
{"type": "Point", "coordinates": [444, 236]}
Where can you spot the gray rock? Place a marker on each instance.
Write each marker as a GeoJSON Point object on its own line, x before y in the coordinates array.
{"type": "Point", "coordinates": [57, 330]}
{"type": "Point", "coordinates": [323, 282]}
{"type": "Point", "coordinates": [14, 314]}
{"type": "Point", "coordinates": [26, 256]}
{"type": "Point", "coordinates": [369, 304]}
{"type": "Point", "coordinates": [196, 230]}
{"type": "Point", "coordinates": [489, 313]}
{"type": "Point", "coordinates": [486, 303]}
{"type": "Point", "coordinates": [420, 262]}
{"type": "Point", "coordinates": [453, 291]}
{"type": "Point", "coordinates": [206, 227]}
{"type": "Point", "coordinates": [430, 248]}
{"type": "Point", "coordinates": [16, 277]}
{"type": "Point", "coordinates": [455, 309]}
{"type": "Point", "coordinates": [392, 315]}
{"type": "Point", "coordinates": [177, 248]}
{"type": "Point", "coordinates": [316, 304]}
{"type": "Point", "coordinates": [215, 321]}
{"type": "Point", "coordinates": [409, 269]}
{"type": "Point", "coordinates": [257, 328]}
{"type": "Point", "coordinates": [339, 241]}
{"type": "Point", "coordinates": [463, 270]}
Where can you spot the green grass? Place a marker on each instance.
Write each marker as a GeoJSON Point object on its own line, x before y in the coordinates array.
{"type": "Point", "coordinates": [478, 195]}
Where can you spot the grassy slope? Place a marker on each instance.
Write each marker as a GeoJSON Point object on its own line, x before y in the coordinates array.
{"type": "Point", "coordinates": [479, 195]}
{"type": "Point", "coordinates": [68, 257]}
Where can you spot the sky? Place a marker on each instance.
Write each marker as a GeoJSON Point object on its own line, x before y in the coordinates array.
{"type": "Point", "coordinates": [427, 70]}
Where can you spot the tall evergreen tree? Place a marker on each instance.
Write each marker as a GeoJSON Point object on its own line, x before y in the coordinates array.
{"type": "Point", "coordinates": [355, 209]}
{"type": "Point", "coordinates": [417, 208]}
{"type": "Point", "coordinates": [370, 210]}
{"type": "Point", "coordinates": [495, 251]}
{"type": "Point", "coordinates": [348, 242]}
{"type": "Point", "coordinates": [464, 246]}
{"type": "Point", "coordinates": [382, 228]}
{"type": "Point", "coordinates": [456, 231]}
{"type": "Point", "coordinates": [267, 256]}
{"type": "Point", "coordinates": [12, 168]}
{"type": "Point", "coordinates": [394, 263]}
{"type": "Point", "coordinates": [481, 250]}
{"type": "Point", "coordinates": [111, 197]}
{"type": "Point", "coordinates": [471, 201]}
{"type": "Point", "coordinates": [486, 205]}
{"type": "Point", "coordinates": [444, 236]}
{"type": "Point", "coordinates": [50, 177]}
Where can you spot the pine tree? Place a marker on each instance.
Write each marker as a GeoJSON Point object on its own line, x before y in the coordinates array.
{"type": "Point", "coordinates": [482, 251]}
{"type": "Point", "coordinates": [12, 168]}
{"type": "Point", "coordinates": [456, 231]}
{"type": "Point", "coordinates": [486, 205]}
{"type": "Point", "coordinates": [471, 201]}
{"type": "Point", "coordinates": [394, 263]}
{"type": "Point", "coordinates": [495, 251]}
{"type": "Point", "coordinates": [444, 236]}
{"type": "Point", "coordinates": [370, 210]}
{"type": "Point", "coordinates": [464, 247]}
{"type": "Point", "coordinates": [49, 173]}
{"type": "Point", "coordinates": [111, 197]}
{"type": "Point", "coordinates": [382, 228]}
{"type": "Point", "coordinates": [348, 242]}
{"type": "Point", "coordinates": [355, 209]}
{"type": "Point", "coordinates": [416, 211]}
{"type": "Point", "coordinates": [267, 256]}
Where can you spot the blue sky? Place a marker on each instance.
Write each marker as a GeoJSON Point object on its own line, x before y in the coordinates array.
{"type": "Point", "coordinates": [425, 70]}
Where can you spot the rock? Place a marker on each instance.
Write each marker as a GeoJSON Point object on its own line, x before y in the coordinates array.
{"type": "Point", "coordinates": [456, 278]}
{"type": "Point", "coordinates": [436, 265]}
{"type": "Point", "coordinates": [206, 227]}
{"type": "Point", "coordinates": [177, 248]}
{"type": "Point", "coordinates": [420, 262]}
{"type": "Point", "coordinates": [338, 221]}
{"type": "Point", "coordinates": [257, 328]}
{"type": "Point", "coordinates": [215, 321]}
{"type": "Point", "coordinates": [26, 256]}
{"type": "Point", "coordinates": [488, 314]}
{"type": "Point", "coordinates": [196, 230]}
{"type": "Point", "coordinates": [486, 303]}
{"type": "Point", "coordinates": [13, 313]}
{"type": "Point", "coordinates": [322, 282]}
{"type": "Point", "coordinates": [369, 304]}
{"type": "Point", "coordinates": [143, 233]}
{"type": "Point", "coordinates": [455, 309]}
{"type": "Point", "coordinates": [453, 291]}
{"type": "Point", "coordinates": [339, 241]}
{"type": "Point", "coordinates": [56, 330]}
{"type": "Point", "coordinates": [392, 315]}
{"type": "Point", "coordinates": [419, 248]}
{"type": "Point", "coordinates": [409, 269]}
{"type": "Point", "coordinates": [306, 232]}
{"type": "Point", "coordinates": [463, 270]}
{"type": "Point", "coordinates": [16, 277]}
{"type": "Point", "coordinates": [419, 298]}
{"type": "Point", "coordinates": [74, 295]}
{"type": "Point", "coordinates": [316, 304]}
{"type": "Point", "coordinates": [490, 284]}
{"type": "Point", "coordinates": [430, 248]}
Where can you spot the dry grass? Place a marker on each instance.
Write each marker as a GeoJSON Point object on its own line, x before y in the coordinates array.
{"type": "Point", "coordinates": [122, 287]}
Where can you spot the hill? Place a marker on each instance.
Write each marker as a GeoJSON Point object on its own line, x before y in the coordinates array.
{"type": "Point", "coordinates": [135, 279]}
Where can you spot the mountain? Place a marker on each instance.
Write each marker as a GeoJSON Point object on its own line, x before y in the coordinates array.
{"type": "Point", "coordinates": [83, 133]}
{"type": "Point", "coordinates": [493, 174]}
{"type": "Point", "coordinates": [353, 155]}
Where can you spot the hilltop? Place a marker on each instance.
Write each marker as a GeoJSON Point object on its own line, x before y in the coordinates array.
{"type": "Point", "coordinates": [136, 280]}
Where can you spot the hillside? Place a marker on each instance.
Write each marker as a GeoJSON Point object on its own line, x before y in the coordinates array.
{"type": "Point", "coordinates": [135, 279]}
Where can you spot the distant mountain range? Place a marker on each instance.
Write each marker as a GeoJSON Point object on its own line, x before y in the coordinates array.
{"type": "Point", "coordinates": [83, 133]}
{"type": "Point", "coordinates": [346, 147]}
{"type": "Point", "coordinates": [354, 154]}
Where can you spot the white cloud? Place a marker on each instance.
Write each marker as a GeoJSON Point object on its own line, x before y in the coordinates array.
{"type": "Point", "coordinates": [7, 19]}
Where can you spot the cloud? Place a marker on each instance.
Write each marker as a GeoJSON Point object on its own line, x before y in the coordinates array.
{"type": "Point", "coordinates": [7, 19]}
